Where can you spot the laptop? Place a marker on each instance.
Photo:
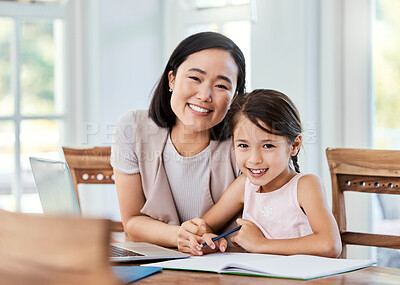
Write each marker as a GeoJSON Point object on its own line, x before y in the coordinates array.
{"type": "Point", "coordinates": [57, 196]}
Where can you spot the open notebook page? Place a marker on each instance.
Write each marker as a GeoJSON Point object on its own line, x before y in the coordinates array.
{"type": "Point", "coordinates": [294, 266]}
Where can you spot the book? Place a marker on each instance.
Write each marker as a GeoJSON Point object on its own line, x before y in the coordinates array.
{"type": "Point", "coordinates": [293, 266]}
{"type": "Point", "coordinates": [128, 274]}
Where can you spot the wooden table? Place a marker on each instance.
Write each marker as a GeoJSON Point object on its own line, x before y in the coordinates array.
{"type": "Point", "coordinates": [369, 275]}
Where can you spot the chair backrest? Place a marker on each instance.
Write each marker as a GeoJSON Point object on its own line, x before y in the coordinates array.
{"type": "Point", "coordinates": [43, 249]}
{"type": "Point", "coordinates": [91, 166]}
{"type": "Point", "coordinates": [362, 170]}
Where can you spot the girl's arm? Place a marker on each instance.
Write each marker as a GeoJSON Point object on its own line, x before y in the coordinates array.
{"type": "Point", "coordinates": [325, 239]}
{"type": "Point", "coordinates": [227, 206]}
{"type": "Point", "coordinates": [225, 209]}
{"type": "Point", "coordinates": [138, 226]}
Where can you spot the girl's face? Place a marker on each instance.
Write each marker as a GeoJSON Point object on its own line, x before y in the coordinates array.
{"type": "Point", "coordinates": [263, 157]}
{"type": "Point", "coordinates": [203, 87]}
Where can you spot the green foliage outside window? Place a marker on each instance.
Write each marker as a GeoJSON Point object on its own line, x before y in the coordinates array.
{"type": "Point", "coordinates": [386, 73]}
{"type": "Point", "coordinates": [37, 76]}
{"type": "Point", "coordinates": [6, 98]}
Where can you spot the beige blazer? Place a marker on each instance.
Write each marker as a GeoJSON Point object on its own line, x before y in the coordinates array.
{"type": "Point", "coordinates": [149, 143]}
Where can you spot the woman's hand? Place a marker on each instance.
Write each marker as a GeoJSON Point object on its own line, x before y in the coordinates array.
{"type": "Point", "coordinates": [190, 235]}
{"type": "Point", "coordinates": [249, 237]}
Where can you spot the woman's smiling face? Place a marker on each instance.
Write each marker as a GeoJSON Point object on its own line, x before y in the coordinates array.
{"type": "Point", "coordinates": [203, 88]}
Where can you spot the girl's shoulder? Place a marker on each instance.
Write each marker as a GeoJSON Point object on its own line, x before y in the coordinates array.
{"type": "Point", "coordinates": [308, 183]}
{"type": "Point", "coordinates": [309, 178]}
{"type": "Point", "coordinates": [240, 181]}
{"type": "Point", "coordinates": [238, 186]}
{"type": "Point", "coordinates": [310, 191]}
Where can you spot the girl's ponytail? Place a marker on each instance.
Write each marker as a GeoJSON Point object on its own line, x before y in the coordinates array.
{"type": "Point", "coordinates": [295, 163]}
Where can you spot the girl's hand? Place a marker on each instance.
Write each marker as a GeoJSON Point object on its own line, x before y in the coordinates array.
{"type": "Point", "coordinates": [212, 246]}
{"type": "Point", "coordinates": [190, 234]}
{"type": "Point", "coordinates": [249, 237]}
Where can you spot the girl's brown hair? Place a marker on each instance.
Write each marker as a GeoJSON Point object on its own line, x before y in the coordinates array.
{"type": "Point", "coordinates": [272, 108]}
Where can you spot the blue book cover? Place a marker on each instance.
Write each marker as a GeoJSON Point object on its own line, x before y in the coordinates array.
{"type": "Point", "coordinates": [129, 274]}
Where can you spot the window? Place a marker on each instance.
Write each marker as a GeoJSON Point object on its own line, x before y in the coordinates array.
{"type": "Point", "coordinates": [386, 122]}
{"type": "Point", "coordinates": [386, 72]}
{"type": "Point", "coordinates": [229, 17]}
{"type": "Point", "coordinates": [32, 97]}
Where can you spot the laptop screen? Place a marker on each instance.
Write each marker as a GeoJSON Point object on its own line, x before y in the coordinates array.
{"type": "Point", "coordinates": [54, 185]}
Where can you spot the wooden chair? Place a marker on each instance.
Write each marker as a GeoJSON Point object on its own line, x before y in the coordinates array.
{"type": "Point", "coordinates": [362, 170]}
{"type": "Point", "coordinates": [39, 249]}
{"type": "Point", "coordinates": [91, 166]}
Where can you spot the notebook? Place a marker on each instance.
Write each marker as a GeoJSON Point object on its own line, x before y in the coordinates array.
{"type": "Point", "coordinates": [57, 196]}
{"type": "Point", "coordinates": [302, 267]}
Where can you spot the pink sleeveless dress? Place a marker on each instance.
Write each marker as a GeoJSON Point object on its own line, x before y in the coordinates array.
{"type": "Point", "coordinates": [277, 214]}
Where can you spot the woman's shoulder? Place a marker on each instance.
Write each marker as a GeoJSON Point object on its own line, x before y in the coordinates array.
{"type": "Point", "coordinates": [217, 144]}
{"type": "Point", "coordinates": [133, 115]}
{"type": "Point", "coordinates": [125, 126]}
{"type": "Point", "coordinates": [223, 150]}
{"type": "Point", "coordinates": [126, 118]}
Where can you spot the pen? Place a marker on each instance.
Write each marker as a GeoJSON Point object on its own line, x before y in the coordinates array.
{"type": "Point", "coordinates": [223, 235]}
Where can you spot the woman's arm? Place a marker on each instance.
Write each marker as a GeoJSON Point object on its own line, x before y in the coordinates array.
{"type": "Point", "coordinates": [138, 226]}
{"type": "Point", "coordinates": [325, 239]}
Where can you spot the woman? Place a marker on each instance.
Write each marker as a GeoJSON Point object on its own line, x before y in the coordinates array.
{"type": "Point", "coordinates": [173, 162]}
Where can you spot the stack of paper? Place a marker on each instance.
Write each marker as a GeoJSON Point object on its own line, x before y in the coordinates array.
{"type": "Point", "coordinates": [293, 266]}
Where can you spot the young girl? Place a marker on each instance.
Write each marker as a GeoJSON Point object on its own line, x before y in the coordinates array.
{"type": "Point", "coordinates": [284, 211]}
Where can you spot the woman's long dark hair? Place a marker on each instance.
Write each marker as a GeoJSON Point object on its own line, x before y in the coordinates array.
{"type": "Point", "coordinates": [160, 107]}
{"type": "Point", "coordinates": [272, 108]}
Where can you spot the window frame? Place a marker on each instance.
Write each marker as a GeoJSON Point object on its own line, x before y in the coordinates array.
{"type": "Point", "coordinates": [20, 12]}
{"type": "Point", "coordinates": [179, 14]}
{"type": "Point", "coordinates": [346, 89]}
